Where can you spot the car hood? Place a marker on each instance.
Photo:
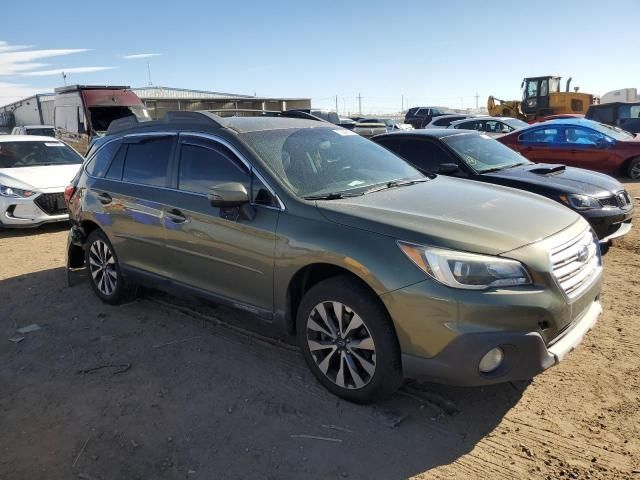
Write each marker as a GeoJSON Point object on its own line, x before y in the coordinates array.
{"type": "Point", "coordinates": [454, 213]}
{"type": "Point", "coordinates": [39, 178]}
{"type": "Point", "coordinates": [559, 179]}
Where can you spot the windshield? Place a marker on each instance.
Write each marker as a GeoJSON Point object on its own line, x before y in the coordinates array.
{"type": "Point", "coordinates": [515, 123]}
{"type": "Point", "coordinates": [483, 153]}
{"type": "Point", "coordinates": [613, 132]}
{"type": "Point", "coordinates": [316, 161]}
{"type": "Point", "coordinates": [101, 117]}
{"type": "Point", "coordinates": [34, 154]}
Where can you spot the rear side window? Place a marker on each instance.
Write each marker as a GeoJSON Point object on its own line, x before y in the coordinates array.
{"type": "Point", "coordinates": [99, 163]}
{"type": "Point", "coordinates": [202, 167]}
{"type": "Point", "coordinates": [147, 162]}
{"type": "Point", "coordinates": [445, 122]}
{"type": "Point", "coordinates": [541, 135]}
{"type": "Point", "coordinates": [467, 125]}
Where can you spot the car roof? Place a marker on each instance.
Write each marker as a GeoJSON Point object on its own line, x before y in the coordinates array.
{"type": "Point", "coordinates": [27, 138]}
{"type": "Point", "coordinates": [430, 132]}
{"type": "Point", "coordinates": [585, 122]}
{"type": "Point", "coordinates": [205, 121]}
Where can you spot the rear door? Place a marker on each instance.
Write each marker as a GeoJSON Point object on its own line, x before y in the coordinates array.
{"type": "Point", "coordinates": [131, 198]}
{"type": "Point", "coordinates": [214, 250]}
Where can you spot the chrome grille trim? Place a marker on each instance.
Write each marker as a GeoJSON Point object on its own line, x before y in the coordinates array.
{"type": "Point", "coordinates": [576, 264]}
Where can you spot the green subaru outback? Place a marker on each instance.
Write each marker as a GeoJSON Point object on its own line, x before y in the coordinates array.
{"type": "Point", "coordinates": [381, 272]}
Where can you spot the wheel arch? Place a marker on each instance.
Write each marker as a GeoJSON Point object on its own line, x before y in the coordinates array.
{"type": "Point", "coordinates": [308, 276]}
{"type": "Point", "coordinates": [624, 169]}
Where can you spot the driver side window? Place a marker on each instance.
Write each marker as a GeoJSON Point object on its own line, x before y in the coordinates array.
{"type": "Point", "coordinates": [582, 136]}
{"type": "Point", "coordinates": [202, 167]}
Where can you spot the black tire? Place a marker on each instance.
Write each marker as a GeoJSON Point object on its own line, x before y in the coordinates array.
{"type": "Point", "coordinates": [633, 169]}
{"type": "Point", "coordinates": [376, 330]}
{"type": "Point", "coordinates": [120, 291]}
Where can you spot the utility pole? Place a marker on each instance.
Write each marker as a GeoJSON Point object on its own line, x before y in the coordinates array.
{"type": "Point", "coordinates": [64, 78]}
{"type": "Point", "coordinates": [149, 72]}
{"type": "Point", "coordinates": [336, 104]}
{"type": "Point", "coordinates": [477, 97]}
{"type": "Point", "coordinates": [359, 104]}
{"type": "Point", "coordinates": [402, 104]}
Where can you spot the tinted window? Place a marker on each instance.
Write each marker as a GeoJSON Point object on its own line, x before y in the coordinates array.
{"type": "Point", "coordinates": [260, 194]}
{"type": "Point", "coordinates": [629, 111]}
{"type": "Point", "coordinates": [115, 170]}
{"type": "Point", "coordinates": [100, 162]}
{"type": "Point", "coordinates": [603, 114]}
{"type": "Point", "coordinates": [541, 135]}
{"type": "Point", "coordinates": [425, 155]}
{"type": "Point", "coordinates": [147, 162]}
{"type": "Point", "coordinates": [201, 168]}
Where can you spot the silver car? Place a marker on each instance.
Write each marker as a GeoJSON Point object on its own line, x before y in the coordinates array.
{"type": "Point", "coordinates": [492, 126]}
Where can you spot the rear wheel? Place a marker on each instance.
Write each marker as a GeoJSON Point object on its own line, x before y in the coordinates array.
{"type": "Point", "coordinates": [348, 341]}
{"type": "Point", "coordinates": [104, 271]}
{"type": "Point", "coordinates": [633, 169]}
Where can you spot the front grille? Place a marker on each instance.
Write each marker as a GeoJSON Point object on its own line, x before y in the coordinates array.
{"type": "Point", "coordinates": [620, 200]}
{"type": "Point", "coordinates": [575, 264]}
{"type": "Point", "coordinates": [51, 203]}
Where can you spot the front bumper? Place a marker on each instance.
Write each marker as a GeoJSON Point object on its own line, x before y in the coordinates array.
{"type": "Point", "coordinates": [23, 212]}
{"type": "Point", "coordinates": [525, 354]}
{"type": "Point", "coordinates": [609, 223]}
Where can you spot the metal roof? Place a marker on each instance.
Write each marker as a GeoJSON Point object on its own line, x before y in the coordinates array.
{"type": "Point", "coordinates": [170, 93]}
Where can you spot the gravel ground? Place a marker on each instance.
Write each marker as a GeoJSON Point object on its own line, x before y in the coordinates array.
{"type": "Point", "coordinates": [189, 392]}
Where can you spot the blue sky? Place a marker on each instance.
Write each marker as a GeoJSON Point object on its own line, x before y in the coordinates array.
{"type": "Point", "coordinates": [440, 53]}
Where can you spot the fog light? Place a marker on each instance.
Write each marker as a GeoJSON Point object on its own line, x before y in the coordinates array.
{"type": "Point", "coordinates": [491, 360]}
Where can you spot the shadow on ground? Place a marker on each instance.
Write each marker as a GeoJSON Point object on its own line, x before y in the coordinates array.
{"type": "Point", "coordinates": [28, 232]}
{"type": "Point", "coordinates": [197, 399]}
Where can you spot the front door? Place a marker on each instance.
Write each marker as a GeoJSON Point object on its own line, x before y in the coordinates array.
{"type": "Point", "coordinates": [584, 148]}
{"type": "Point", "coordinates": [217, 251]}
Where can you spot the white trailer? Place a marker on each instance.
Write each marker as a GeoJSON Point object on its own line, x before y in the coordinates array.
{"type": "Point", "coordinates": [622, 95]}
{"type": "Point", "coordinates": [34, 110]}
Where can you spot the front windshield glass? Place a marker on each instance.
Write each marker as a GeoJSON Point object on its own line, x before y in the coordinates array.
{"type": "Point", "coordinates": [613, 132]}
{"type": "Point", "coordinates": [35, 154]}
{"type": "Point", "coordinates": [483, 153]}
{"type": "Point", "coordinates": [319, 161]}
{"type": "Point", "coordinates": [515, 123]}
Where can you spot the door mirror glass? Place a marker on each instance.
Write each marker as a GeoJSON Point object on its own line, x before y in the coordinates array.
{"type": "Point", "coordinates": [228, 195]}
{"type": "Point", "coordinates": [448, 168]}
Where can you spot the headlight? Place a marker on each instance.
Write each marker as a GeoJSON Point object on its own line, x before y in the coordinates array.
{"type": "Point", "coordinates": [466, 270]}
{"type": "Point", "coordinates": [580, 202]}
{"type": "Point", "coordinates": [15, 192]}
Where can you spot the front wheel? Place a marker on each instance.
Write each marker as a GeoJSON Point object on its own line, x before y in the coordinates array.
{"type": "Point", "coordinates": [104, 271]}
{"type": "Point", "coordinates": [348, 341]}
{"type": "Point", "coordinates": [633, 169]}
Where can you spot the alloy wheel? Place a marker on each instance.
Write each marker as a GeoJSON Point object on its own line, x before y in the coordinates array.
{"type": "Point", "coordinates": [341, 345]}
{"type": "Point", "coordinates": [102, 265]}
{"type": "Point", "coordinates": [634, 173]}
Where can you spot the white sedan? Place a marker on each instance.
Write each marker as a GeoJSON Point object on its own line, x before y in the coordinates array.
{"type": "Point", "coordinates": [34, 172]}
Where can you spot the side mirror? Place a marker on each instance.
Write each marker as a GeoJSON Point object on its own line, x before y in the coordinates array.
{"type": "Point", "coordinates": [228, 195]}
{"type": "Point", "coordinates": [448, 168]}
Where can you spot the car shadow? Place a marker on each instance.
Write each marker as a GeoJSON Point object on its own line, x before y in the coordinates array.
{"type": "Point", "coordinates": [163, 386]}
{"type": "Point", "coordinates": [31, 231]}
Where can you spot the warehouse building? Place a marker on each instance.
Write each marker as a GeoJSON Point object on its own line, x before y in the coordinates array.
{"type": "Point", "coordinates": [160, 100]}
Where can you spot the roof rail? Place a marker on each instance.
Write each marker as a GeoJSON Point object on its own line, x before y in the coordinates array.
{"type": "Point", "coordinates": [199, 117]}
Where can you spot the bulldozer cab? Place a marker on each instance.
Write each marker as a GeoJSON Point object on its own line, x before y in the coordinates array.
{"type": "Point", "coordinates": [535, 94]}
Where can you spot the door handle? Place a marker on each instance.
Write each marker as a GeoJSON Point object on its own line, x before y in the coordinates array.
{"type": "Point", "coordinates": [175, 216]}
{"type": "Point", "coordinates": [104, 198]}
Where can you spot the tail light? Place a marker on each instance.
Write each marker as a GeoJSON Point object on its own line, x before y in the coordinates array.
{"type": "Point", "coordinates": [68, 193]}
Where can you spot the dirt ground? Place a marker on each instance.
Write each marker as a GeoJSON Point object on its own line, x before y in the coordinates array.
{"type": "Point", "coordinates": [193, 395]}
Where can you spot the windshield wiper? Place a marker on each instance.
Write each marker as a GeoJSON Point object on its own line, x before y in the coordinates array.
{"type": "Point", "coordinates": [397, 183]}
{"type": "Point", "coordinates": [332, 196]}
{"type": "Point", "coordinates": [504, 167]}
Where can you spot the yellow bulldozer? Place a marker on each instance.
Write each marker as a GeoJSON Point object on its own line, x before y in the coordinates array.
{"type": "Point", "coordinates": [541, 96]}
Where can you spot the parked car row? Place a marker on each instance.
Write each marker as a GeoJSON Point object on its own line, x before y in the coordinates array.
{"type": "Point", "coordinates": [429, 254]}
{"type": "Point", "coordinates": [371, 126]}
